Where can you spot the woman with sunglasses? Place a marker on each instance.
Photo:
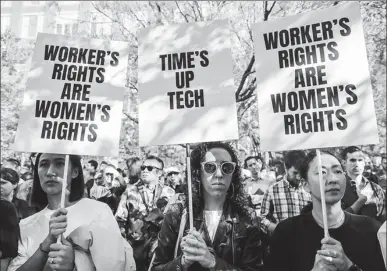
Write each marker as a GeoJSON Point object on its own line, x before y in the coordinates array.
{"type": "Point", "coordinates": [89, 235]}
{"type": "Point", "coordinates": [224, 235]}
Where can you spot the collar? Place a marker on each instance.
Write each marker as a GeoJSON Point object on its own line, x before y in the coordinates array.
{"type": "Point", "coordinates": [151, 187]}
{"type": "Point", "coordinates": [227, 215]}
{"type": "Point", "coordinates": [363, 182]}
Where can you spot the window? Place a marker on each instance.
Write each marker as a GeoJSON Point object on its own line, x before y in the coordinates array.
{"type": "Point", "coordinates": [75, 29]}
{"type": "Point", "coordinates": [32, 3]}
{"type": "Point", "coordinates": [40, 23]}
{"type": "Point", "coordinates": [67, 30]}
{"type": "Point", "coordinates": [100, 25]}
{"type": "Point", "coordinates": [33, 27]}
{"type": "Point", "coordinates": [67, 23]}
{"type": "Point", "coordinates": [29, 26]}
{"type": "Point", "coordinates": [58, 29]}
{"type": "Point", "coordinates": [5, 23]}
{"type": "Point", "coordinates": [5, 4]}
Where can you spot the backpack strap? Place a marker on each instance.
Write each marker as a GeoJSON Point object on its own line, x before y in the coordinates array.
{"type": "Point", "coordinates": [183, 222]}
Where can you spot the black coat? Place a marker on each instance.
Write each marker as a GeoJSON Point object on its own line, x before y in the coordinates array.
{"type": "Point", "coordinates": [236, 245]}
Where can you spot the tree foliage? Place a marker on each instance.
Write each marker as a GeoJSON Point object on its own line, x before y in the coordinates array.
{"type": "Point", "coordinates": [127, 17]}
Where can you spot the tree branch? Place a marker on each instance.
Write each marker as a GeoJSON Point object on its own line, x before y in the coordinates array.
{"type": "Point", "coordinates": [184, 15]}
{"type": "Point", "coordinates": [113, 20]}
{"type": "Point", "coordinates": [267, 11]}
{"type": "Point", "coordinates": [131, 118]}
{"type": "Point", "coordinates": [244, 77]}
{"type": "Point", "coordinates": [198, 8]}
{"type": "Point", "coordinates": [252, 86]}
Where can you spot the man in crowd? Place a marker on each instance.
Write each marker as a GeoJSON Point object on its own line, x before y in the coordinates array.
{"type": "Point", "coordinates": [138, 214]}
{"type": "Point", "coordinates": [287, 197]}
{"type": "Point", "coordinates": [8, 189]}
{"type": "Point", "coordinates": [173, 177]}
{"type": "Point", "coordinates": [256, 186]}
{"type": "Point", "coordinates": [89, 174]}
{"type": "Point", "coordinates": [103, 165]}
{"type": "Point", "coordinates": [254, 164]}
{"type": "Point", "coordinates": [369, 170]}
{"type": "Point", "coordinates": [362, 196]}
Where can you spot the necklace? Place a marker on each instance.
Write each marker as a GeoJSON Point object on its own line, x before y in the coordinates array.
{"type": "Point", "coordinates": [332, 226]}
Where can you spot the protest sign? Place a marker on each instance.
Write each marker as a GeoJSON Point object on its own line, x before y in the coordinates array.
{"type": "Point", "coordinates": [313, 82]}
{"type": "Point", "coordinates": [186, 85]}
{"type": "Point", "coordinates": [74, 96]}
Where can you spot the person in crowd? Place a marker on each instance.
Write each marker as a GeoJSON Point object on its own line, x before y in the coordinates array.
{"type": "Point", "coordinates": [137, 209]}
{"type": "Point", "coordinates": [103, 165]}
{"type": "Point", "coordinates": [8, 190]}
{"type": "Point", "coordinates": [256, 186]}
{"type": "Point", "coordinates": [133, 165]}
{"type": "Point", "coordinates": [13, 163]}
{"type": "Point", "coordinates": [143, 194]}
{"type": "Point", "coordinates": [224, 236]}
{"type": "Point", "coordinates": [279, 169]}
{"type": "Point", "coordinates": [102, 193]}
{"type": "Point", "coordinates": [9, 233]}
{"type": "Point", "coordinates": [287, 197]}
{"type": "Point", "coordinates": [362, 196]}
{"type": "Point", "coordinates": [382, 172]}
{"type": "Point", "coordinates": [25, 188]}
{"type": "Point", "coordinates": [173, 177]}
{"type": "Point", "coordinates": [254, 164]}
{"type": "Point", "coordinates": [90, 171]}
{"type": "Point", "coordinates": [369, 170]}
{"type": "Point", "coordinates": [24, 192]}
{"type": "Point", "coordinates": [99, 190]}
{"type": "Point", "coordinates": [123, 175]}
{"type": "Point", "coordinates": [114, 179]}
{"type": "Point", "coordinates": [298, 243]}
{"type": "Point", "coordinates": [89, 235]}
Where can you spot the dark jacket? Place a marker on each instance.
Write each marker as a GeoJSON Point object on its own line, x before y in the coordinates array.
{"type": "Point", "coordinates": [236, 245]}
{"type": "Point", "coordinates": [350, 196]}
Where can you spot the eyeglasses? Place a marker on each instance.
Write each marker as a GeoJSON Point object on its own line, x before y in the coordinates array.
{"type": "Point", "coordinates": [149, 168]}
{"type": "Point", "coordinates": [227, 168]}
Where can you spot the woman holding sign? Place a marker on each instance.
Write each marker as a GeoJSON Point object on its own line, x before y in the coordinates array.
{"type": "Point", "coordinates": [298, 243]}
{"type": "Point", "coordinates": [89, 234]}
{"type": "Point", "coordinates": [223, 237]}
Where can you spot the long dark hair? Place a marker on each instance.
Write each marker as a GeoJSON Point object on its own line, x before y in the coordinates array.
{"type": "Point", "coordinates": [235, 198]}
{"type": "Point", "coordinates": [39, 197]}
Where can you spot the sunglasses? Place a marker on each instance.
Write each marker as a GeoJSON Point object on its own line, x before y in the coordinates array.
{"type": "Point", "coordinates": [227, 168]}
{"type": "Point", "coordinates": [149, 168]}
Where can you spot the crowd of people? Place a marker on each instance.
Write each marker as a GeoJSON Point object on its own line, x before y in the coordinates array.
{"type": "Point", "coordinates": [246, 216]}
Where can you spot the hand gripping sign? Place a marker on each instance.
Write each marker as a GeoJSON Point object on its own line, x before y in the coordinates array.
{"type": "Point", "coordinates": [313, 83]}
{"type": "Point", "coordinates": [186, 86]}
{"type": "Point", "coordinates": [73, 99]}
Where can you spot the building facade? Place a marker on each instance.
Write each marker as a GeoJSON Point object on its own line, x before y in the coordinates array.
{"type": "Point", "coordinates": [26, 18]}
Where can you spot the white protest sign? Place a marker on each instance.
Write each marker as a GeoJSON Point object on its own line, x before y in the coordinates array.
{"type": "Point", "coordinates": [314, 88]}
{"type": "Point", "coordinates": [74, 96]}
{"type": "Point", "coordinates": [186, 85]}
